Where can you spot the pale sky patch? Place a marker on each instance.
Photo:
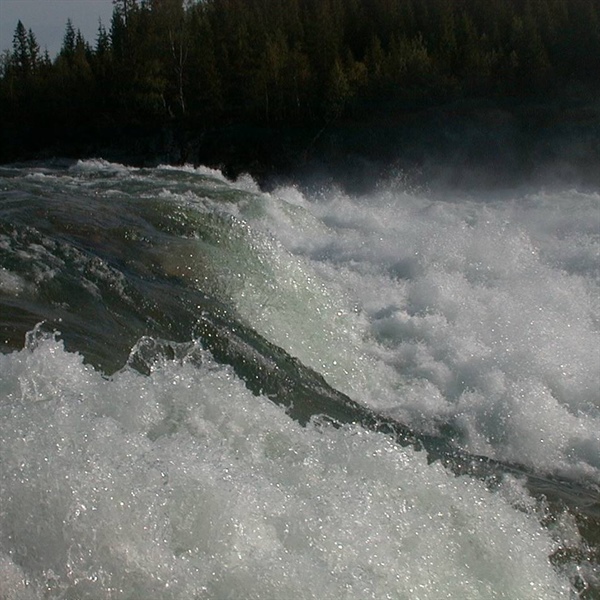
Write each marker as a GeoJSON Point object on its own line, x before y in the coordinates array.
{"type": "Point", "coordinates": [47, 19]}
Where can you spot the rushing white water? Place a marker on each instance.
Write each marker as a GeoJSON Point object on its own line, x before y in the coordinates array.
{"type": "Point", "coordinates": [480, 315]}
{"type": "Point", "coordinates": [184, 485]}
{"type": "Point", "coordinates": [477, 319]}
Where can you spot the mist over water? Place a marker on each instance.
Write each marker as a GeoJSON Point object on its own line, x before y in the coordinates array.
{"type": "Point", "coordinates": [135, 464]}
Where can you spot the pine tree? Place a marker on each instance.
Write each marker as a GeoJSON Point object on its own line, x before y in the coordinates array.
{"type": "Point", "coordinates": [33, 49]}
{"type": "Point", "coordinates": [102, 41]}
{"type": "Point", "coordinates": [68, 46]}
{"type": "Point", "coordinates": [21, 51]}
{"type": "Point", "coordinates": [124, 8]}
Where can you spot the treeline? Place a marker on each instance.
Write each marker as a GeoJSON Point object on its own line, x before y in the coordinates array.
{"type": "Point", "coordinates": [210, 62]}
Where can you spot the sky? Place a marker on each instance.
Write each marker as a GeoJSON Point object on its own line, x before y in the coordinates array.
{"type": "Point", "coordinates": [47, 19]}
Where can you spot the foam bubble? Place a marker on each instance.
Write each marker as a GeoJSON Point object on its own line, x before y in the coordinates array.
{"type": "Point", "coordinates": [182, 484]}
{"type": "Point", "coordinates": [11, 283]}
{"type": "Point", "coordinates": [244, 182]}
{"type": "Point", "coordinates": [100, 165]}
{"type": "Point", "coordinates": [480, 315]}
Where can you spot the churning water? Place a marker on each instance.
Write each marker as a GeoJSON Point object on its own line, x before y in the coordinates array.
{"type": "Point", "coordinates": [196, 379]}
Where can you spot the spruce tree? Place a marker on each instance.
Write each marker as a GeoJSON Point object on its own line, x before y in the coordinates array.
{"type": "Point", "coordinates": [21, 51]}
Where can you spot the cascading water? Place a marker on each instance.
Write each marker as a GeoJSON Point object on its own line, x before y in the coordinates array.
{"type": "Point", "coordinates": [170, 338]}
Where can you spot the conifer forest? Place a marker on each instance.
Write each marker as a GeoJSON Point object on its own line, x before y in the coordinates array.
{"type": "Point", "coordinates": [200, 65]}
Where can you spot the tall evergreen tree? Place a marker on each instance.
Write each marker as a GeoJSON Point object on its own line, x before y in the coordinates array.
{"type": "Point", "coordinates": [68, 46]}
{"type": "Point", "coordinates": [33, 49]}
{"type": "Point", "coordinates": [22, 58]}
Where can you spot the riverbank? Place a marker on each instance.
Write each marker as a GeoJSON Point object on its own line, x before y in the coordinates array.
{"type": "Point", "coordinates": [464, 145]}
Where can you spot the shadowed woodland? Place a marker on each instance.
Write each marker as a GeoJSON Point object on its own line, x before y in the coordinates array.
{"type": "Point", "coordinates": [197, 66]}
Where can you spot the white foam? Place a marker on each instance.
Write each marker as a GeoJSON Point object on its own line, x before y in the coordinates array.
{"type": "Point", "coordinates": [182, 484]}
{"type": "Point", "coordinates": [199, 170]}
{"type": "Point", "coordinates": [11, 283]}
{"type": "Point", "coordinates": [100, 165]}
{"type": "Point", "coordinates": [481, 315]}
{"type": "Point", "coordinates": [243, 182]}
